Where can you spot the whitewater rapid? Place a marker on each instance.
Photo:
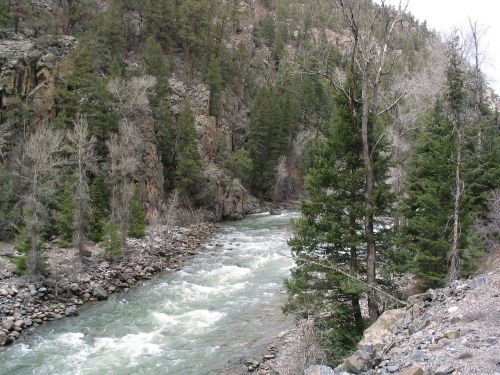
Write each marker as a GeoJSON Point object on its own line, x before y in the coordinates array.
{"type": "Point", "coordinates": [223, 302]}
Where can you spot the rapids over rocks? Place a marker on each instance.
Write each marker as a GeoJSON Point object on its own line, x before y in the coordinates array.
{"type": "Point", "coordinates": [221, 304]}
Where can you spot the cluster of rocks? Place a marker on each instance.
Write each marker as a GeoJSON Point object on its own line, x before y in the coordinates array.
{"type": "Point", "coordinates": [26, 303]}
{"type": "Point", "coordinates": [260, 366]}
{"type": "Point", "coordinates": [454, 330]}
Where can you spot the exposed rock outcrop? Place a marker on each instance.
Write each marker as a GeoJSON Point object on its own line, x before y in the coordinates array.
{"type": "Point", "coordinates": [28, 70]}
{"type": "Point", "coordinates": [454, 330]}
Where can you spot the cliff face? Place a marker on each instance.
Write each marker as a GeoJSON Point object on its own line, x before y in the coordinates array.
{"type": "Point", "coordinates": [28, 70]}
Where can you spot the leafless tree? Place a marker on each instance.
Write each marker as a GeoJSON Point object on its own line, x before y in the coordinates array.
{"type": "Point", "coordinates": [39, 166]}
{"type": "Point", "coordinates": [124, 149]}
{"type": "Point", "coordinates": [488, 226]}
{"type": "Point", "coordinates": [132, 95]}
{"type": "Point", "coordinates": [85, 158]}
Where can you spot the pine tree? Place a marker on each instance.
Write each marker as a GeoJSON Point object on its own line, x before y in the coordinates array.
{"type": "Point", "coordinates": [65, 213]}
{"type": "Point", "coordinates": [330, 232]}
{"type": "Point", "coordinates": [112, 241]}
{"type": "Point", "coordinates": [137, 228]}
{"type": "Point", "coordinates": [188, 171]}
{"type": "Point", "coordinates": [214, 81]}
{"type": "Point", "coordinates": [6, 205]}
{"type": "Point", "coordinates": [429, 203]}
{"type": "Point", "coordinates": [99, 199]}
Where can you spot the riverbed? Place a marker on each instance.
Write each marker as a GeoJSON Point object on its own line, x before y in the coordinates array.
{"type": "Point", "coordinates": [224, 302]}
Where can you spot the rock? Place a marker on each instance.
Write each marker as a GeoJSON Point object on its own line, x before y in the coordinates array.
{"type": "Point", "coordinates": [71, 311]}
{"type": "Point", "coordinates": [3, 292]}
{"type": "Point", "coordinates": [392, 368]}
{"type": "Point", "coordinates": [19, 324]}
{"type": "Point", "coordinates": [318, 370]}
{"type": "Point", "coordinates": [3, 338]}
{"type": "Point", "coordinates": [74, 287]}
{"type": "Point", "coordinates": [275, 212]}
{"type": "Point", "coordinates": [452, 334]}
{"type": "Point", "coordinates": [99, 292]}
{"type": "Point", "coordinates": [452, 309]}
{"type": "Point", "coordinates": [412, 371]}
{"type": "Point", "coordinates": [358, 363]}
{"type": "Point", "coordinates": [8, 324]}
{"type": "Point", "coordinates": [444, 370]}
{"type": "Point", "coordinates": [376, 335]}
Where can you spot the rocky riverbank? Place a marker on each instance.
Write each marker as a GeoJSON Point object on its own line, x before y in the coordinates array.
{"type": "Point", "coordinates": [27, 302]}
{"type": "Point", "coordinates": [454, 330]}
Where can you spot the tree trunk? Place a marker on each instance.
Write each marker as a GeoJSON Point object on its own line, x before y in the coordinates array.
{"type": "Point", "coordinates": [368, 222]}
{"type": "Point", "coordinates": [454, 270]}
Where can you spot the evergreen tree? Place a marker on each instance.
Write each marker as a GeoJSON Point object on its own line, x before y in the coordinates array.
{"type": "Point", "coordinates": [428, 206]}
{"type": "Point", "coordinates": [330, 233]}
{"type": "Point", "coordinates": [137, 226]}
{"type": "Point", "coordinates": [65, 213]}
{"type": "Point", "coordinates": [99, 199]}
{"type": "Point", "coordinates": [112, 241]}
{"type": "Point", "coordinates": [188, 171]}
{"type": "Point", "coordinates": [272, 126]}
{"type": "Point", "coordinates": [6, 205]}
{"type": "Point", "coordinates": [214, 81]}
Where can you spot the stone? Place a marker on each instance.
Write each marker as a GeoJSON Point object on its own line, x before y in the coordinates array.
{"type": "Point", "coordinates": [319, 370]}
{"type": "Point", "coordinates": [4, 292]}
{"type": "Point", "coordinates": [19, 323]}
{"type": "Point", "coordinates": [3, 338]}
{"type": "Point", "coordinates": [412, 371]}
{"type": "Point", "coordinates": [392, 368]}
{"type": "Point", "coordinates": [71, 311]}
{"type": "Point", "coordinates": [452, 309]}
{"type": "Point", "coordinates": [74, 287]}
{"type": "Point", "coordinates": [8, 324]}
{"type": "Point", "coordinates": [358, 363]}
{"type": "Point", "coordinates": [444, 370]}
{"type": "Point", "coordinates": [377, 335]}
{"type": "Point", "coordinates": [452, 334]}
{"type": "Point", "coordinates": [99, 292]}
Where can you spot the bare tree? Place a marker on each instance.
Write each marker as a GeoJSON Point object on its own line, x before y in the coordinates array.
{"type": "Point", "coordinates": [85, 160]}
{"type": "Point", "coordinates": [124, 151]}
{"type": "Point", "coordinates": [126, 148]}
{"type": "Point", "coordinates": [39, 165]}
{"type": "Point", "coordinates": [488, 226]}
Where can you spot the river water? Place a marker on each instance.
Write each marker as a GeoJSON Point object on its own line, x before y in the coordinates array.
{"type": "Point", "coordinates": [222, 303]}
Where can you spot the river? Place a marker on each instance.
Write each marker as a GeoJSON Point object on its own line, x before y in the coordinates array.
{"type": "Point", "coordinates": [222, 303]}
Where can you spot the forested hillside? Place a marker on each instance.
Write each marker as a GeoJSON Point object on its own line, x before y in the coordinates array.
{"type": "Point", "coordinates": [116, 112]}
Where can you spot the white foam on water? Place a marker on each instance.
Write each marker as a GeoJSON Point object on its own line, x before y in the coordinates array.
{"type": "Point", "coordinates": [132, 345]}
{"type": "Point", "coordinates": [71, 338]}
{"type": "Point", "coordinates": [226, 274]}
{"type": "Point", "coordinates": [192, 322]}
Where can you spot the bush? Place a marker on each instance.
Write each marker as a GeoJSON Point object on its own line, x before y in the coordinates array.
{"type": "Point", "coordinates": [22, 245]}
{"type": "Point", "coordinates": [137, 228]}
{"type": "Point", "coordinates": [112, 241]}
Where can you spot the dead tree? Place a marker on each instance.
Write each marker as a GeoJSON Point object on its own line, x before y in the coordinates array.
{"type": "Point", "coordinates": [124, 162]}
{"type": "Point", "coordinates": [85, 158]}
{"type": "Point", "coordinates": [39, 164]}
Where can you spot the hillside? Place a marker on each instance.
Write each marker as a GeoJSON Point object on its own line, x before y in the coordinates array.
{"type": "Point", "coordinates": [126, 122]}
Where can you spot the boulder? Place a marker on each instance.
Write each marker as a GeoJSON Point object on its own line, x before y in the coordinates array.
{"type": "Point", "coordinates": [444, 370]}
{"type": "Point", "coordinates": [412, 371]}
{"type": "Point", "coordinates": [359, 362]}
{"type": "Point", "coordinates": [99, 292]}
{"type": "Point", "coordinates": [3, 338]}
{"type": "Point", "coordinates": [8, 324]}
{"type": "Point", "coordinates": [71, 311]}
{"type": "Point", "coordinates": [318, 370]}
{"type": "Point", "coordinates": [378, 334]}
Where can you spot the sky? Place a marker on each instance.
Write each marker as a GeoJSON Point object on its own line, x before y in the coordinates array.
{"type": "Point", "coordinates": [445, 15]}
